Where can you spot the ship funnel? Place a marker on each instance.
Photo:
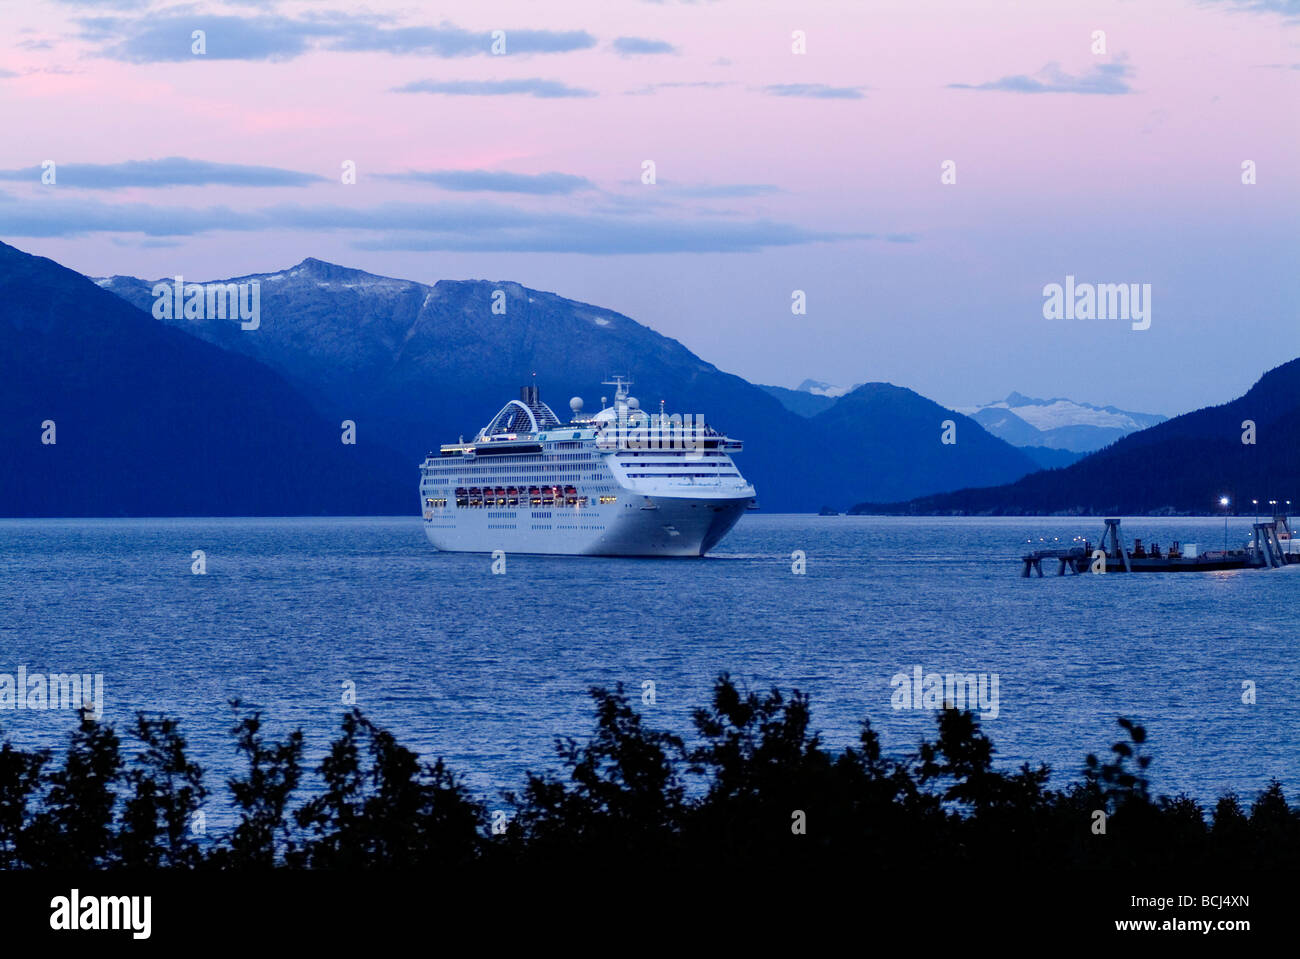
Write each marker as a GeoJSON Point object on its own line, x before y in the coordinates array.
{"type": "Point", "coordinates": [528, 394]}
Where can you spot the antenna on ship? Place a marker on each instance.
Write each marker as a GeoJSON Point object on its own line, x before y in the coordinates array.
{"type": "Point", "coordinates": [620, 384]}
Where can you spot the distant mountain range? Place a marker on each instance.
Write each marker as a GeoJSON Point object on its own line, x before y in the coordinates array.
{"type": "Point", "coordinates": [1058, 424]}
{"type": "Point", "coordinates": [416, 365]}
{"type": "Point", "coordinates": [1179, 466]}
{"type": "Point", "coordinates": [201, 417]}
{"type": "Point", "coordinates": [1053, 433]}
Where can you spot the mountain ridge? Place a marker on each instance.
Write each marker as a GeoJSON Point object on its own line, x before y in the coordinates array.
{"type": "Point", "coordinates": [1180, 466]}
{"type": "Point", "coordinates": [405, 357]}
{"type": "Point", "coordinates": [150, 421]}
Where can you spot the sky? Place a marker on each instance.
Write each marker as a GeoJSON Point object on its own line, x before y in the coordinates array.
{"type": "Point", "coordinates": [797, 146]}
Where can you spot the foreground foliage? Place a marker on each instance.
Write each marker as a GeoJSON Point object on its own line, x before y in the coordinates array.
{"type": "Point", "coordinates": [757, 784]}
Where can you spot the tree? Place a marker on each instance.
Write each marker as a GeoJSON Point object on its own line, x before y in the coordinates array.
{"type": "Point", "coordinates": [262, 837]}
{"type": "Point", "coordinates": [168, 790]}
{"type": "Point", "coordinates": [20, 778]}
{"type": "Point", "coordinates": [390, 813]}
{"type": "Point", "coordinates": [73, 830]}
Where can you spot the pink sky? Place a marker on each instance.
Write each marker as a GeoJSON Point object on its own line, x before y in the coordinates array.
{"type": "Point", "coordinates": [1139, 186]}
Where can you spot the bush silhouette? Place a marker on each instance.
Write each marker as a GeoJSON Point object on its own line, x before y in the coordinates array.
{"type": "Point", "coordinates": [755, 787]}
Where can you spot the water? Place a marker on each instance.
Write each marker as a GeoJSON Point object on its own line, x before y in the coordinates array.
{"type": "Point", "coordinates": [486, 670]}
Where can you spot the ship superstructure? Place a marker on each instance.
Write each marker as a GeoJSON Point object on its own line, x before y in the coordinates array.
{"type": "Point", "coordinates": [621, 482]}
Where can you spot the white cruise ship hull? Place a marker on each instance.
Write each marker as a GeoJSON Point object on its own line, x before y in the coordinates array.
{"type": "Point", "coordinates": [647, 526]}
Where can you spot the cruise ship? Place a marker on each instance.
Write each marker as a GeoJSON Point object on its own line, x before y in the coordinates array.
{"type": "Point", "coordinates": [622, 482]}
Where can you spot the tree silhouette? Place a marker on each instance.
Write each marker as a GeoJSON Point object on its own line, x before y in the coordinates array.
{"type": "Point", "coordinates": [73, 829]}
{"type": "Point", "coordinates": [168, 790]}
{"type": "Point", "coordinates": [262, 837]}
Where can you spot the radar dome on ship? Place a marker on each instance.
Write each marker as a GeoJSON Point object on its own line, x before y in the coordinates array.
{"type": "Point", "coordinates": [575, 404]}
{"type": "Point", "coordinates": [633, 403]}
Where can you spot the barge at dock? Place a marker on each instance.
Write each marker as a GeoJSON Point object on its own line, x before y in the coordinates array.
{"type": "Point", "coordinates": [1270, 547]}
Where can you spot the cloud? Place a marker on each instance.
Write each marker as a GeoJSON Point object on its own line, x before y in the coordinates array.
{"type": "Point", "coordinates": [557, 233]}
{"type": "Point", "coordinates": [6, 74]}
{"type": "Point", "coordinates": [818, 91]}
{"type": "Point", "coordinates": [50, 214]}
{"type": "Point", "coordinates": [109, 4]}
{"type": "Point", "coordinates": [496, 181]}
{"type": "Point", "coordinates": [1103, 78]}
{"type": "Point", "coordinates": [545, 89]}
{"type": "Point", "coordinates": [1287, 8]}
{"type": "Point", "coordinates": [166, 37]}
{"type": "Point", "coordinates": [635, 46]}
{"type": "Point", "coordinates": [418, 227]}
{"type": "Point", "coordinates": [172, 171]}
{"type": "Point", "coordinates": [652, 88]}
{"type": "Point", "coordinates": [452, 41]}
{"type": "Point", "coordinates": [722, 189]}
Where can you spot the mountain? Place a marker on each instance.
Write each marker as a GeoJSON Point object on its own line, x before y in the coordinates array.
{"type": "Point", "coordinates": [1049, 459]}
{"type": "Point", "coordinates": [816, 388]}
{"type": "Point", "coordinates": [151, 421]}
{"type": "Point", "coordinates": [1180, 466]}
{"type": "Point", "coordinates": [799, 402]}
{"type": "Point", "coordinates": [416, 365]}
{"type": "Point", "coordinates": [1058, 423]}
{"type": "Point", "coordinates": [901, 432]}
{"type": "Point", "coordinates": [810, 397]}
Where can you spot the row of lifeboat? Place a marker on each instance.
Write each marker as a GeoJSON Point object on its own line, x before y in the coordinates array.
{"type": "Point", "coordinates": [474, 496]}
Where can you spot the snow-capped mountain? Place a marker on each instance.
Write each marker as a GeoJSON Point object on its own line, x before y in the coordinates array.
{"type": "Point", "coordinates": [1058, 423]}
{"type": "Point", "coordinates": [817, 388]}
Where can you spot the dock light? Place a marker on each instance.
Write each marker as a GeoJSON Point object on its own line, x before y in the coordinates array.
{"type": "Point", "coordinates": [1223, 501]}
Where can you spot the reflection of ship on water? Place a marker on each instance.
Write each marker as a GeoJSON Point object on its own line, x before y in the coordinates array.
{"type": "Point", "coordinates": [1271, 546]}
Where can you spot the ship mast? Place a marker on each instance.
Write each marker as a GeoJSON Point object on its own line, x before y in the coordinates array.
{"type": "Point", "coordinates": [620, 384]}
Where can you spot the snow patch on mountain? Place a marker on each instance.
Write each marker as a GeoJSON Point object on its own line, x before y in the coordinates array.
{"type": "Point", "coordinates": [1059, 412]}
{"type": "Point", "coordinates": [817, 388]}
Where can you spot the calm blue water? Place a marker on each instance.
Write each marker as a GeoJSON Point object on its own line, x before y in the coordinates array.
{"type": "Point", "coordinates": [486, 670]}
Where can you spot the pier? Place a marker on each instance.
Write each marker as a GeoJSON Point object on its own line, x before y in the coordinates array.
{"type": "Point", "coordinates": [1270, 547]}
